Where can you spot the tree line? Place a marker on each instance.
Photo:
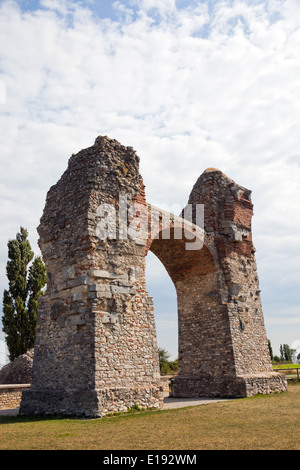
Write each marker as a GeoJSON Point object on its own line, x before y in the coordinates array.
{"type": "Point", "coordinates": [286, 354]}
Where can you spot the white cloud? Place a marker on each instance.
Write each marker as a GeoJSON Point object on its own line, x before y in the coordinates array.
{"type": "Point", "coordinates": [163, 8]}
{"type": "Point", "coordinates": [2, 92]}
{"type": "Point", "coordinates": [296, 345]}
{"type": "Point", "coordinates": [285, 320]}
{"type": "Point", "coordinates": [188, 89]}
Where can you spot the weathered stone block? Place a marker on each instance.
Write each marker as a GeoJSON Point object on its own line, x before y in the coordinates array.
{"type": "Point", "coordinates": [69, 272]}
{"type": "Point", "coordinates": [120, 290]}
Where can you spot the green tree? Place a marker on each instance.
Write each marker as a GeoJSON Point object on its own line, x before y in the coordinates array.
{"type": "Point", "coordinates": [286, 353]}
{"type": "Point", "coordinates": [163, 356]}
{"type": "Point", "coordinates": [166, 366]}
{"type": "Point", "coordinates": [281, 352]}
{"type": "Point", "coordinates": [270, 350]}
{"type": "Point", "coordinates": [20, 301]}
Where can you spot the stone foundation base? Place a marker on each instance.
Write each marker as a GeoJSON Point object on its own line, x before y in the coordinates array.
{"type": "Point", "coordinates": [228, 387]}
{"type": "Point", "coordinates": [40, 402]}
{"type": "Point", "coordinates": [87, 403]}
{"type": "Point", "coordinates": [264, 384]}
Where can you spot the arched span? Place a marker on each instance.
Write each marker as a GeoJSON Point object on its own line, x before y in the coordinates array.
{"type": "Point", "coordinates": [179, 245]}
{"type": "Point", "coordinates": [180, 262]}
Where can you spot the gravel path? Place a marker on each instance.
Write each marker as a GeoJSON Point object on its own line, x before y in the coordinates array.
{"type": "Point", "coordinates": [171, 403]}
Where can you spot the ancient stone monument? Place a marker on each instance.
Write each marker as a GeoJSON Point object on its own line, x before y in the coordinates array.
{"type": "Point", "coordinates": [96, 348]}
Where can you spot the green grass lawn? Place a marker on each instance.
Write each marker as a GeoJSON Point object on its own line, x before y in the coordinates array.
{"type": "Point", "coordinates": [288, 369]}
{"type": "Point", "coordinates": [262, 422]}
{"type": "Point", "coordinates": [286, 366]}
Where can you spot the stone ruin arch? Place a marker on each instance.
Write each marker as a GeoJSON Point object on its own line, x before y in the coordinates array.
{"type": "Point", "coordinates": [96, 348]}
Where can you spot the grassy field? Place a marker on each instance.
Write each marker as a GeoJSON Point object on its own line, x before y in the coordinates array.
{"type": "Point", "coordinates": [286, 366]}
{"type": "Point", "coordinates": [262, 422]}
{"type": "Point", "coordinates": [288, 369]}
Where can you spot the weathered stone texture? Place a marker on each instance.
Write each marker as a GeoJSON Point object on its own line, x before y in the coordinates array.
{"type": "Point", "coordinates": [11, 395]}
{"type": "Point", "coordinates": [96, 348]}
{"type": "Point", "coordinates": [222, 337]}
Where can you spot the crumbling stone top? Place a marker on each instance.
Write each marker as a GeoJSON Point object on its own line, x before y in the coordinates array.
{"type": "Point", "coordinates": [216, 170]}
{"type": "Point", "coordinates": [208, 170]}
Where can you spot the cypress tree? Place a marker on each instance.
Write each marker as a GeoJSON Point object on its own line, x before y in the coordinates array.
{"type": "Point", "coordinates": [281, 353]}
{"type": "Point", "coordinates": [270, 350]}
{"type": "Point", "coordinates": [20, 301]}
{"type": "Point", "coordinates": [287, 353]}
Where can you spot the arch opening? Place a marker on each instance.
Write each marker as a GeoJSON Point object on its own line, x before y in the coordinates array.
{"type": "Point", "coordinates": [162, 289]}
{"type": "Point", "coordinates": [195, 278]}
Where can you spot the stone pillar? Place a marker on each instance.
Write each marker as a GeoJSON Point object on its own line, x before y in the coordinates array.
{"type": "Point", "coordinates": [223, 349]}
{"type": "Point", "coordinates": [96, 348]}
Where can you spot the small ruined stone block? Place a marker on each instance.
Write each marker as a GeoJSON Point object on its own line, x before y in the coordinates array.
{"type": "Point", "coordinates": [104, 295]}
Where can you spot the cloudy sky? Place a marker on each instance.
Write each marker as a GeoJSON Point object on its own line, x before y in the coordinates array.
{"type": "Point", "coordinates": [189, 84]}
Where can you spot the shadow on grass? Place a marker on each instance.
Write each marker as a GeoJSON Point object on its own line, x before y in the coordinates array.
{"type": "Point", "coordinates": [31, 419]}
{"type": "Point", "coordinates": [14, 419]}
